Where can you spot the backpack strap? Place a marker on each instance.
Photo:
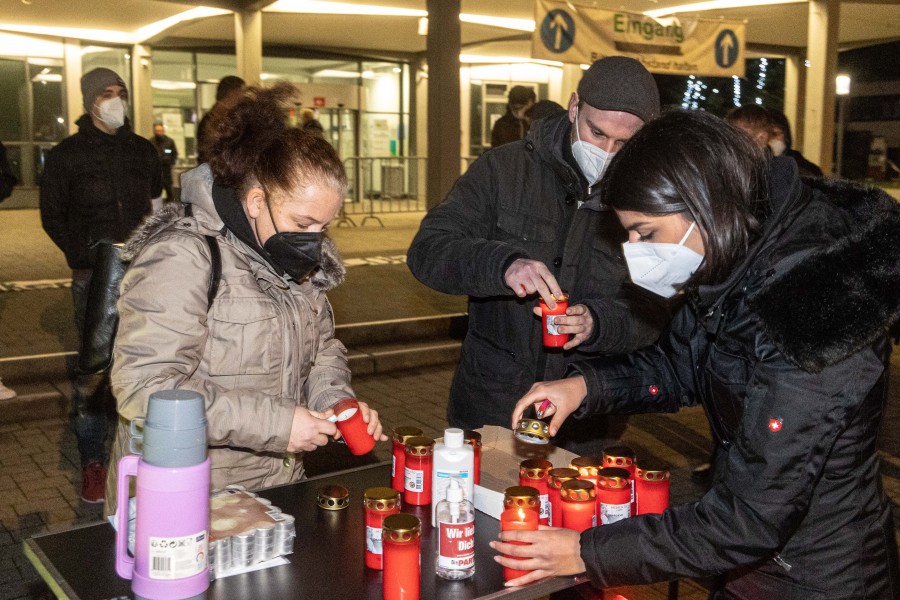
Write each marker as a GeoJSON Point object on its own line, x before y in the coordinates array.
{"type": "Point", "coordinates": [216, 275]}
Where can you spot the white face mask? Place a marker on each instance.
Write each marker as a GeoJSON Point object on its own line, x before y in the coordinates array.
{"type": "Point", "coordinates": [591, 160]}
{"type": "Point", "coordinates": [661, 267]}
{"type": "Point", "coordinates": [112, 112]}
{"type": "Point", "coordinates": [778, 147]}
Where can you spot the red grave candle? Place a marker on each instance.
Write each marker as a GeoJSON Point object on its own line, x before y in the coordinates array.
{"type": "Point", "coordinates": [522, 496]}
{"type": "Point", "coordinates": [613, 495]}
{"type": "Point", "coordinates": [535, 473]}
{"type": "Point", "coordinates": [556, 478]}
{"type": "Point", "coordinates": [517, 519]}
{"type": "Point", "coordinates": [473, 438]}
{"type": "Point", "coordinates": [352, 427]}
{"type": "Point", "coordinates": [651, 489]}
{"type": "Point", "coordinates": [579, 504]}
{"type": "Point", "coordinates": [417, 471]}
{"type": "Point", "coordinates": [551, 336]}
{"type": "Point", "coordinates": [401, 538]}
{"type": "Point", "coordinates": [398, 462]}
{"type": "Point", "coordinates": [587, 467]}
{"type": "Point", "coordinates": [622, 457]}
{"type": "Point", "coordinates": [379, 502]}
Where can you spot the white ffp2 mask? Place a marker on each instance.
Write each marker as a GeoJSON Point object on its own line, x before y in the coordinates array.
{"type": "Point", "coordinates": [591, 160]}
{"type": "Point", "coordinates": [112, 112]}
{"type": "Point", "coordinates": [661, 267]}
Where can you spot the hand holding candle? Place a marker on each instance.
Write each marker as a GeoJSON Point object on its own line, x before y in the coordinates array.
{"type": "Point", "coordinates": [517, 519]}
{"type": "Point", "coordinates": [549, 552]}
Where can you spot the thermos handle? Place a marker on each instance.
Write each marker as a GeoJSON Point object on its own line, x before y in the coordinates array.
{"type": "Point", "coordinates": [136, 436]}
{"type": "Point", "coordinates": [128, 466]}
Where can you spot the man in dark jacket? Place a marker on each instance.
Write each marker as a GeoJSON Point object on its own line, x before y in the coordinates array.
{"type": "Point", "coordinates": [168, 156]}
{"type": "Point", "coordinates": [525, 221]}
{"type": "Point", "coordinates": [513, 125]}
{"type": "Point", "coordinates": [97, 184]}
{"type": "Point", "coordinates": [780, 141]}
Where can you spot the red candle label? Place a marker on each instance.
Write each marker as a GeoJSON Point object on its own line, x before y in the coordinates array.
{"type": "Point", "coordinates": [373, 539]}
{"type": "Point", "coordinates": [457, 546]}
{"type": "Point", "coordinates": [545, 509]}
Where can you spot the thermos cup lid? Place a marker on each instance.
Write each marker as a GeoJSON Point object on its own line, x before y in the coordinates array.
{"type": "Point", "coordinates": [175, 429]}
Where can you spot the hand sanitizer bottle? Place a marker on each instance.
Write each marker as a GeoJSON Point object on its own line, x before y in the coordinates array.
{"type": "Point", "coordinates": [456, 531]}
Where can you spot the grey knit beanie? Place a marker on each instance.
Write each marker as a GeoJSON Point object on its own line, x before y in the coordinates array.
{"type": "Point", "coordinates": [620, 83]}
{"type": "Point", "coordinates": [93, 84]}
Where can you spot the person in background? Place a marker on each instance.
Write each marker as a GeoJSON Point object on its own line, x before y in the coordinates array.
{"type": "Point", "coordinates": [97, 184]}
{"type": "Point", "coordinates": [527, 222]}
{"type": "Point", "coordinates": [263, 353]}
{"type": "Point", "coordinates": [792, 286]}
{"type": "Point", "coordinates": [755, 121]}
{"type": "Point", "coordinates": [541, 109]}
{"type": "Point", "coordinates": [780, 142]}
{"type": "Point", "coordinates": [513, 125]}
{"type": "Point", "coordinates": [228, 92]}
{"type": "Point", "coordinates": [7, 182]}
{"type": "Point", "coordinates": [309, 123]}
{"type": "Point", "coordinates": [168, 156]}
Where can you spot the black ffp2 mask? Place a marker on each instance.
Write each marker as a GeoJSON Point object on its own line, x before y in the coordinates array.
{"type": "Point", "coordinates": [298, 253]}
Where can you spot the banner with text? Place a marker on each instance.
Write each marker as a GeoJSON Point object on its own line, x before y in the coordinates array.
{"type": "Point", "coordinates": [668, 45]}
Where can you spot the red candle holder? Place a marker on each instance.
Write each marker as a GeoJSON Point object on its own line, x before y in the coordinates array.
{"type": "Point", "coordinates": [398, 462]}
{"type": "Point", "coordinates": [517, 519]}
{"type": "Point", "coordinates": [587, 467]}
{"type": "Point", "coordinates": [555, 480]}
{"type": "Point", "coordinates": [473, 438]}
{"type": "Point", "coordinates": [352, 427]}
{"type": "Point", "coordinates": [579, 504]}
{"type": "Point", "coordinates": [651, 489]}
{"type": "Point", "coordinates": [551, 336]}
{"type": "Point", "coordinates": [379, 503]}
{"type": "Point", "coordinates": [622, 457]}
{"type": "Point", "coordinates": [613, 495]}
{"type": "Point", "coordinates": [522, 496]}
{"type": "Point", "coordinates": [401, 538]}
{"type": "Point", "coordinates": [535, 473]}
{"type": "Point", "coordinates": [417, 471]}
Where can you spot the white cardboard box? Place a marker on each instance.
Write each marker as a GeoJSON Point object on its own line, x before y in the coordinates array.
{"type": "Point", "coordinates": [501, 453]}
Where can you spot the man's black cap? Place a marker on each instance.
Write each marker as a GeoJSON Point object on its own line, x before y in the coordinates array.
{"type": "Point", "coordinates": [620, 83]}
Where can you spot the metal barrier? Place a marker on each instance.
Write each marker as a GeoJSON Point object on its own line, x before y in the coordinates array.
{"type": "Point", "coordinates": [385, 184]}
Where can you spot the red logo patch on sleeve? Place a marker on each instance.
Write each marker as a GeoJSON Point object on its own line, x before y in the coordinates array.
{"type": "Point", "coordinates": [653, 390]}
{"type": "Point", "coordinates": [775, 425]}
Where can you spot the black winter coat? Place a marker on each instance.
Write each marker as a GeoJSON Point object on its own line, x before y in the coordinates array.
{"type": "Point", "coordinates": [522, 200]}
{"type": "Point", "coordinates": [789, 359]}
{"type": "Point", "coordinates": [97, 186]}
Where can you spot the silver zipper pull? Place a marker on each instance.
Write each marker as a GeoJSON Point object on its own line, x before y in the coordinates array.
{"type": "Point", "coordinates": [781, 563]}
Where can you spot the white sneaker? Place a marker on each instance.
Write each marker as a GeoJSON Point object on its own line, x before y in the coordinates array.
{"type": "Point", "coordinates": [5, 392]}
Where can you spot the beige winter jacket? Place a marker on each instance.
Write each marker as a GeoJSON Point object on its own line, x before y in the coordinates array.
{"type": "Point", "coordinates": [265, 345]}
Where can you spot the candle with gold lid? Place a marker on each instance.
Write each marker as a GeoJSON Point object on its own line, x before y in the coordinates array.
{"type": "Point", "coordinates": [587, 467]}
{"type": "Point", "coordinates": [555, 480]}
{"type": "Point", "coordinates": [651, 483]}
{"type": "Point", "coordinates": [534, 472]}
{"type": "Point", "coordinates": [517, 519]}
{"type": "Point", "coordinates": [419, 462]}
{"type": "Point", "coordinates": [401, 538]}
{"type": "Point", "coordinates": [579, 504]}
{"type": "Point", "coordinates": [379, 503]}
{"type": "Point", "coordinates": [613, 495]}
{"type": "Point", "coordinates": [622, 457]}
{"type": "Point", "coordinates": [398, 461]}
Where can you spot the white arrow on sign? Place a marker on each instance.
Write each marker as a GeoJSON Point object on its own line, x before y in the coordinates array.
{"type": "Point", "coordinates": [725, 45]}
{"type": "Point", "coordinates": [561, 27]}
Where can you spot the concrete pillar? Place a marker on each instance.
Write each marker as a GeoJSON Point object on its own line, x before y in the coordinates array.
{"type": "Point", "coordinates": [818, 126]}
{"type": "Point", "coordinates": [248, 45]}
{"type": "Point", "coordinates": [794, 79]}
{"type": "Point", "coordinates": [442, 52]}
{"type": "Point", "coordinates": [72, 76]}
{"type": "Point", "coordinates": [141, 94]}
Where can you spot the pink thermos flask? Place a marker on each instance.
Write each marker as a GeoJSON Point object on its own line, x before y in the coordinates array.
{"type": "Point", "coordinates": [171, 535]}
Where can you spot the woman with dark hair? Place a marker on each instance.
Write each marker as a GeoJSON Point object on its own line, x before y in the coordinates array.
{"type": "Point", "coordinates": [790, 290]}
{"type": "Point", "coordinates": [263, 351]}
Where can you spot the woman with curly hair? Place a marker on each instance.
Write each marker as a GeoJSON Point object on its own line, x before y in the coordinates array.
{"type": "Point", "coordinates": [263, 351]}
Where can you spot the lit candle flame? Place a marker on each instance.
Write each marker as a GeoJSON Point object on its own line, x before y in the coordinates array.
{"type": "Point", "coordinates": [521, 514]}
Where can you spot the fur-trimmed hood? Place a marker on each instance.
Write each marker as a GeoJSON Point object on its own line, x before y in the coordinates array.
{"type": "Point", "coordinates": [840, 298]}
{"type": "Point", "coordinates": [196, 190]}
